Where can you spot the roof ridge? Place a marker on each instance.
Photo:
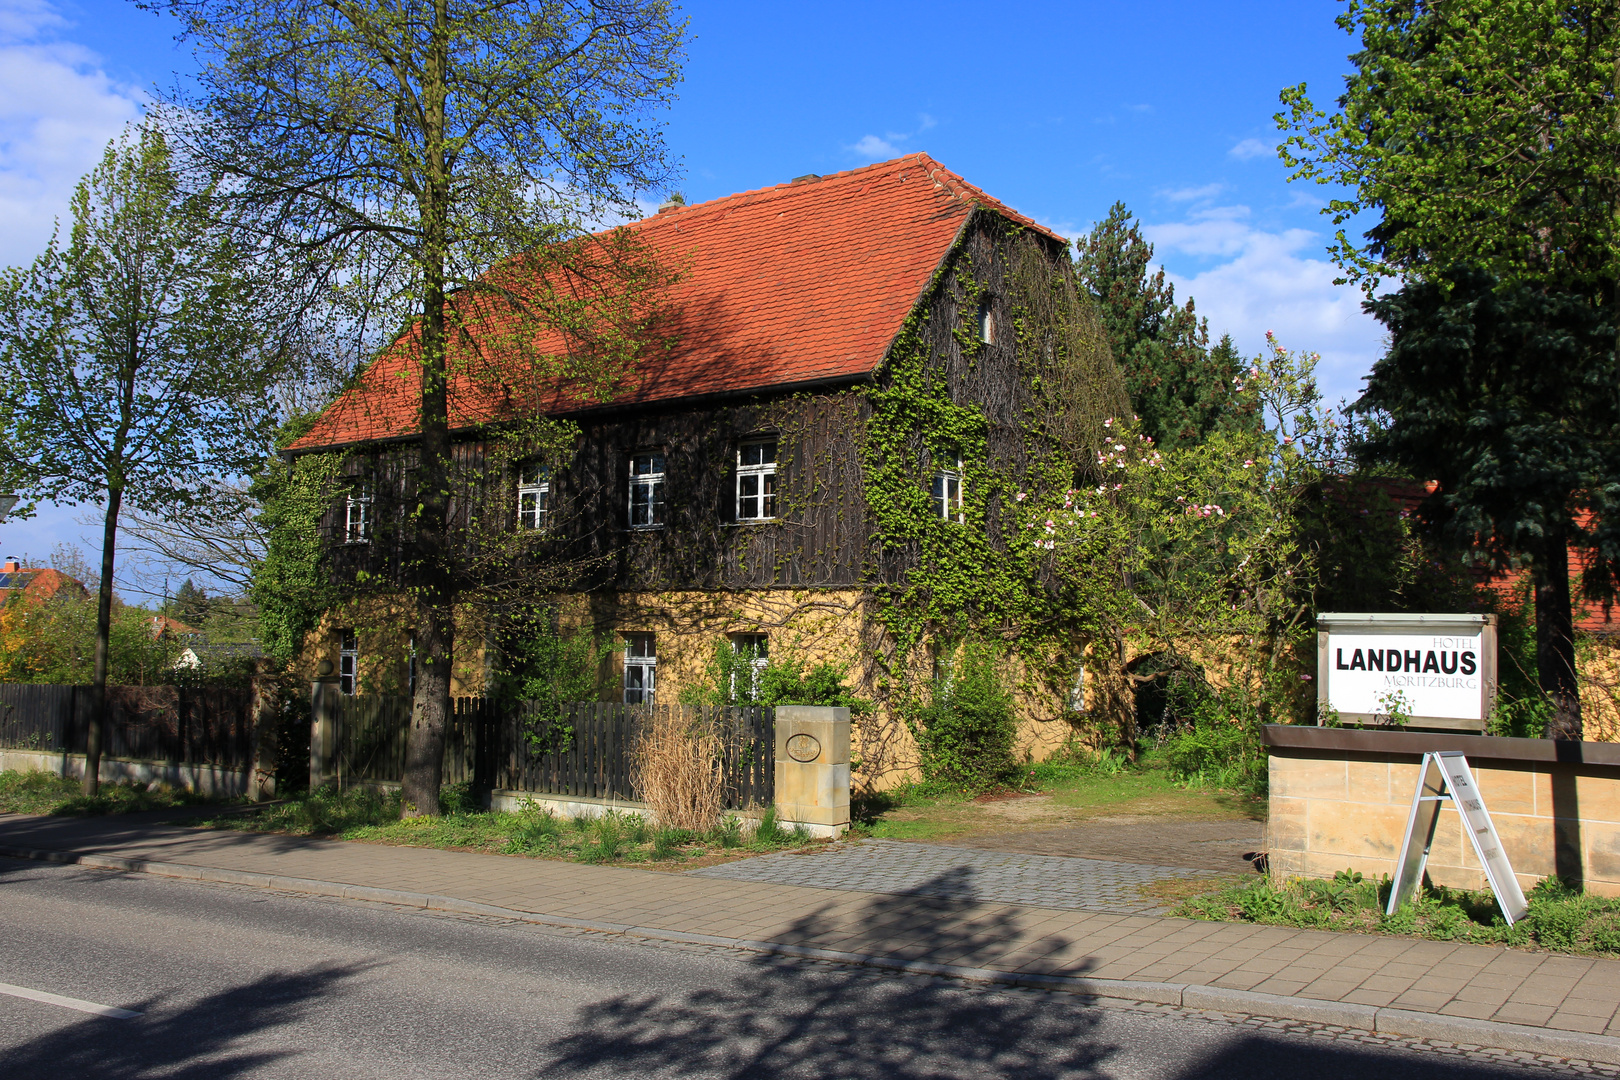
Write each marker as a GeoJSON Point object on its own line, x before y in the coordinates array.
{"type": "Point", "coordinates": [786, 186]}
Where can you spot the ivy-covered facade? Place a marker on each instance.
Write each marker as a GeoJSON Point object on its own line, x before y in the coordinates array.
{"type": "Point", "coordinates": [824, 466]}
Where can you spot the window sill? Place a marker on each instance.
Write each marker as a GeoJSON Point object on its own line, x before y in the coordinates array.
{"type": "Point", "coordinates": [644, 528]}
{"type": "Point", "coordinates": [750, 521]}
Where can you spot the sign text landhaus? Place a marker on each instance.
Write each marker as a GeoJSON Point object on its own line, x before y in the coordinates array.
{"type": "Point", "coordinates": [1439, 670]}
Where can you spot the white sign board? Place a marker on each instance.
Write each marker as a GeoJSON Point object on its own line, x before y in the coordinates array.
{"type": "Point", "coordinates": [1437, 669]}
{"type": "Point", "coordinates": [1445, 777]}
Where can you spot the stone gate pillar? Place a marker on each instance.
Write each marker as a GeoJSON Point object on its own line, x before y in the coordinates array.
{"type": "Point", "coordinates": [812, 768]}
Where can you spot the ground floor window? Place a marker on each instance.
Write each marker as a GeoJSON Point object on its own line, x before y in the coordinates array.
{"type": "Point", "coordinates": [753, 652]}
{"type": "Point", "coordinates": [348, 662]}
{"type": "Point", "coordinates": [640, 669]}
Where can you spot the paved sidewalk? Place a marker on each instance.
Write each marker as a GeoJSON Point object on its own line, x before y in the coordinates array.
{"type": "Point", "coordinates": [890, 866]}
{"type": "Point", "coordinates": [1548, 992]}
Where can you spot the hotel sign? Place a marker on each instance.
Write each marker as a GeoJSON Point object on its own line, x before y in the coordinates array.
{"type": "Point", "coordinates": [1438, 670]}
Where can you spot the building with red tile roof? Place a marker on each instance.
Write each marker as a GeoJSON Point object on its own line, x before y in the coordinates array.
{"type": "Point", "coordinates": [720, 493]}
{"type": "Point", "coordinates": [36, 582]}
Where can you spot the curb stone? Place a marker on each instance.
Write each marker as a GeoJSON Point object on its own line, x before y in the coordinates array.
{"type": "Point", "coordinates": [1491, 1034]}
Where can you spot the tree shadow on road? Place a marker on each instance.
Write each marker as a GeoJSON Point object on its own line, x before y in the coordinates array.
{"type": "Point", "coordinates": [790, 1018]}
{"type": "Point", "coordinates": [193, 1041]}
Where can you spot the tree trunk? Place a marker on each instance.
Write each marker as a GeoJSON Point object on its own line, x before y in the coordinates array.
{"type": "Point", "coordinates": [1555, 638]}
{"type": "Point", "coordinates": [431, 569]}
{"type": "Point", "coordinates": [98, 693]}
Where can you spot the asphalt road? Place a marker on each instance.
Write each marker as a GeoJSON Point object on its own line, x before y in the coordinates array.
{"type": "Point", "coordinates": [235, 982]}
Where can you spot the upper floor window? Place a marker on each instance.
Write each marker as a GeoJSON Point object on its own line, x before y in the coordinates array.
{"type": "Point", "coordinates": [947, 489]}
{"type": "Point", "coordinates": [987, 323]}
{"type": "Point", "coordinates": [756, 480]}
{"type": "Point", "coordinates": [640, 669]}
{"type": "Point", "coordinates": [533, 496]}
{"type": "Point", "coordinates": [753, 653]}
{"type": "Point", "coordinates": [348, 662]}
{"type": "Point", "coordinates": [646, 491]}
{"type": "Point", "coordinates": [357, 514]}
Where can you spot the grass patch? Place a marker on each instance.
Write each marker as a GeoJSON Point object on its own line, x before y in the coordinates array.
{"type": "Point", "coordinates": [1078, 788]}
{"type": "Point", "coordinates": [612, 838]}
{"type": "Point", "coordinates": [47, 793]}
{"type": "Point", "coordinates": [1560, 919]}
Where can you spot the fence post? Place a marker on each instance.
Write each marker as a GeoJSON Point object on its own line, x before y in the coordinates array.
{"type": "Point", "coordinates": [265, 721]}
{"type": "Point", "coordinates": [812, 768]}
{"type": "Point", "coordinates": [323, 726]}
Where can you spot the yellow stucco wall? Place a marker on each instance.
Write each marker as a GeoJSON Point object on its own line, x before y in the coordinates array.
{"type": "Point", "coordinates": [808, 625]}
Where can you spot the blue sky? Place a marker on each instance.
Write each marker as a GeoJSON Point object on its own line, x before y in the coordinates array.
{"type": "Point", "coordinates": [1058, 109]}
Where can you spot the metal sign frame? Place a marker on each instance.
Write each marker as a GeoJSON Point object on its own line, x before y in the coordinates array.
{"type": "Point", "coordinates": [1444, 777]}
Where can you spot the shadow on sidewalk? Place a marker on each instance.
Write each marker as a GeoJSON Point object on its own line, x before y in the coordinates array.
{"type": "Point", "coordinates": [793, 1018]}
{"type": "Point", "coordinates": [190, 1042]}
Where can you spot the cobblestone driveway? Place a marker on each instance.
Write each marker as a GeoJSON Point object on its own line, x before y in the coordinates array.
{"type": "Point", "coordinates": [890, 866]}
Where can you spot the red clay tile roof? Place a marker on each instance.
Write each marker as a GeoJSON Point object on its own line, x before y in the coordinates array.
{"type": "Point", "coordinates": [787, 285]}
{"type": "Point", "coordinates": [36, 583]}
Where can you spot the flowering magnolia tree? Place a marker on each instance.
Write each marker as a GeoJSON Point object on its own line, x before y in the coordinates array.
{"type": "Point", "coordinates": [1202, 542]}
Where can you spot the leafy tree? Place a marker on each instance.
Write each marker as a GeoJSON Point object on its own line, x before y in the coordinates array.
{"type": "Point", "coordinates": [189, 604]}
{"type": "Point", "coordinates": [1479, 132]}
{"type": "Point", "coordinates": [55, 641]}
{"type": "Point", "coordinates": [1180, 388]}
{"type": "Point", "coordinates": [422, 150]}
{"type": "Point", "coordinates": [136, 357]}
{"type": "Point", "coordinates": [1486, 136]}
{"type": "Point", "coordinates": [1523, 448]}
{"type": "Point", "coordinates": [966, 730]}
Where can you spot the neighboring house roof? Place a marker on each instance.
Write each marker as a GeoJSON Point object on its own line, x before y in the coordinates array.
{"type": "Point", "coordinates": [792, 285]}
{"type": "Point", "coordinates": [197, 654]}
{"type": "Point", "coordinates": [163, 625]}
{"type": "Point", "coordinates": [35, 582]}
{"type": "Point", "coordinates": [1510, 584]}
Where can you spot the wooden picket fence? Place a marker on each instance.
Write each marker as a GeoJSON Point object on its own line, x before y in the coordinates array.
{"type": "Point", "coordinates": [172, 724]}
{"type": "Point", "coordinates": [584, 751]}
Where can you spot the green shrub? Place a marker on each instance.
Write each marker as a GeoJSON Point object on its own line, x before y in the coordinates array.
{"type": "Point", "coordinates": [967, 730]}
{"type": "Point", "coordinates": [728, 834]}
{"type": "Point", "coordinates": [328, 811]}
{"type": "Point", "coordinates": [1559, 918]}
{"type": "Point", "coordinates": [667, 842]}
{"type": "Point", "coordinates": [1216, 740]}
{"type": "Point", "coordinates": [537, 828]}
{"type": "Point", "coordinates": [458, 799]}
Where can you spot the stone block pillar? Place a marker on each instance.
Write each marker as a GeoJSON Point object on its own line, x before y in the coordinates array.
{"type": "Point", "coordinates": [812, 768]}
{"type": "Point", "coordinates": [323, 726]}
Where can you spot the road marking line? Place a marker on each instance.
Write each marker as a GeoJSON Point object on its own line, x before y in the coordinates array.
{"type": "Point", "coordinates": [67, 1002]}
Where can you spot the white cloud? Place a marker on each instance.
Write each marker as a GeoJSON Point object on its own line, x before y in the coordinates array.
{"type": "Point", "coordinates": [1272, 281]}
{"type": "Point", "coordinates": [1249, 149]}
{"type": "Point", "coordinates": [875, 149]}
{"type": "Point", "coordinates": [1193, 194]}
{"type": "Point", "coordinates": [58, 110]}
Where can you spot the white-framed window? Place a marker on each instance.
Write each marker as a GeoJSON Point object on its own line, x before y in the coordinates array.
{"type": "Point", "coordinates": [756, 480]}
{"type": "Point", "coordinates": [533, 496]}
{"type": "Point", "coordinates": [348, 662]}
{"type": "Point", "coordinates": [410, 662]}
{"type": "Point", "coordinates": [947, 489]}
{"type": "Point", "coordinates": [646, 491]}
{"type": "Point", "coordinates": [754, 650]}
{"type": "Point", "coordinates": [987, 323]}
{"type": "Point", "coordinates": [1077, 692]}
{"type": "Point", "coordinates": [357, 514]}
{"type": "Point", "coordinates": [640, 669]}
